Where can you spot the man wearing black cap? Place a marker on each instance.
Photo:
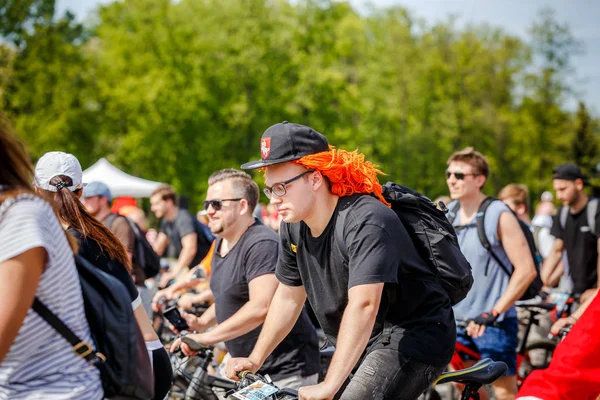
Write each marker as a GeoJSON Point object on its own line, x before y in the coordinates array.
{"type": "Point", "coordinates": [346, 251]}
{"type": "Point", "coordinates": [575, 228]}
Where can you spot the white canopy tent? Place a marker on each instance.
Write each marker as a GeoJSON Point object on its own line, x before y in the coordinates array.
{"type": "Point", "coordinates": [119, 182]}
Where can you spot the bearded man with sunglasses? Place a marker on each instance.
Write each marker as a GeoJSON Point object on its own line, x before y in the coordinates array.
{"type": "Point", "coordinates": [490, 303]}
{"type": "Point", "coordinates": [243, 283]}
{"type": "Point", "coordinates": [349, 254]}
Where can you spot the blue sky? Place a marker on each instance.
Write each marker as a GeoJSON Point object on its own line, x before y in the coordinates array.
{"type": "Point", "coordinates": [514, 16]}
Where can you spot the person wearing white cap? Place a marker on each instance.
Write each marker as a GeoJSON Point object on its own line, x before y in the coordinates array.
{"type": "Point", "coordinates": [36, 261]}
{"type": "Point", "coordinates": [58, 178]}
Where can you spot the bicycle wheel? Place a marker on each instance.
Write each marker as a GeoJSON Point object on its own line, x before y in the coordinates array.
{"type": "Point", "coordinates": [537, 356]}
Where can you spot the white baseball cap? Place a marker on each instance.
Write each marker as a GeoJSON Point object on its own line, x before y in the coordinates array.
{"type": "Point", "coordinates": [57, 163]}
{"type": "Point", "coordinates": [547, 196]}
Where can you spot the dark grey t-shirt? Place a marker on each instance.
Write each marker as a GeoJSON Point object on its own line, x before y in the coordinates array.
{"type": "Point", "coordinates": [378, 249]}
{"type": "Point", "coordinates": [184, 224]}
{"type": "Point", "coordinates": [255, 254]}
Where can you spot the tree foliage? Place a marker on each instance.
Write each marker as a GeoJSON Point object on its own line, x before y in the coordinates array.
{"type": "Point", "coordinates": [173, 91]}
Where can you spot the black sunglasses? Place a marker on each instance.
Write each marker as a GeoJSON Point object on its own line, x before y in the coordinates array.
{"type": "Point", "coordinates": [217, 204]}
{"type": "Point", "coordinates": [458, 175]}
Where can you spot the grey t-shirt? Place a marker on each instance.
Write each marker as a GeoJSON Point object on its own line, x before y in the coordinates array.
{"type": "Point", "coordinates": [184, 224]}
{"type": "Point", "coordinates": [254, 255]}
{"type": "Point", "coordinates": [489, 279]}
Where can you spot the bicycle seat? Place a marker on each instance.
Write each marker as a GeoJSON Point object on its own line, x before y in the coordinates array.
{"type": "Point", "coordinates": [484, 372]}
{"type": "Point", "coordinates": [528, 305]}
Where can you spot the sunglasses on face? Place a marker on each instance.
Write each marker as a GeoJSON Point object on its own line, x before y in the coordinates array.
{"type": "Point", "coordinates": [279, 189]}
{"type": "Point", "coordinates": [216, 204]}
{"type": "Point", "coordinates": [458, 175]}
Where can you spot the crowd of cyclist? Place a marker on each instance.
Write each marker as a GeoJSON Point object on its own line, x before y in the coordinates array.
{"type": "Point", "coordinates": [326, 253]}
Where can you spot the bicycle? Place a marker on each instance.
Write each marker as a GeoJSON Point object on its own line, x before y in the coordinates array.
{"type": "Point", "coordinates": [528, 355]}
{"type": "Point", "coordinates": [191, 379]}
{"type": "Point", "coordinates": [482, 373]}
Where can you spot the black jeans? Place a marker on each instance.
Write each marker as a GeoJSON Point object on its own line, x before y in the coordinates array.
{"type": "Point", "coordinates": [386, 374]}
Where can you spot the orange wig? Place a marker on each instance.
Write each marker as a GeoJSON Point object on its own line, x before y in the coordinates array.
{"type": "Point", "coordinates": [347, 171]}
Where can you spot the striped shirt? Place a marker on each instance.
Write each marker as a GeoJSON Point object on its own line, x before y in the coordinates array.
{"type": "Point", "coordinates": [40, 363]}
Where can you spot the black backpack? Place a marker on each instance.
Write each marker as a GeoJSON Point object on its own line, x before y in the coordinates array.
{"type": "Point", "coordinates": [120, 352]}
{"type": "Point", "coordinates": [434, 238]}
{"type": "Point", "coordinates": [144, 255]}
{"type": "Point", "coordinates": [536, 286]}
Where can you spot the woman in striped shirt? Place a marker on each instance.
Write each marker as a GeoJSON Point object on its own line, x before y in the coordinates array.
{"type": "Point", "coordinates": [37, 261]}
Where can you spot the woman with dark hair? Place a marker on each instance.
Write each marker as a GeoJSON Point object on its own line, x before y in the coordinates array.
{"type": "Point", "coordinates": [58, 178]}
{"type": "Point", "coordinates": [37, 261]}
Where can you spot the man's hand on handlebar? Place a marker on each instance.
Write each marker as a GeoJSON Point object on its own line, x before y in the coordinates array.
{"type": "Point", "coordinates": [235, 365]}
{"type": "Point", "coordinates": [190, 345]}
{"type": "Point", "coordinates": [561, 323]}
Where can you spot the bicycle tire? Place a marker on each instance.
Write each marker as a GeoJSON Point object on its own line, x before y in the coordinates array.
{"type": "Point", "coordinates": [543, 350]}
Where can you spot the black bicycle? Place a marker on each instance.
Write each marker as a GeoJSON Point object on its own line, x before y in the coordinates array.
{"type": "Point", "coordinates": [191, 379]}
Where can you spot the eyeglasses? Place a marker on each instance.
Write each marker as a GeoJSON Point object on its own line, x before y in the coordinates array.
{"type": "Point", "coordinates": [217, 204]}
{"type": "Point", "coordinates": [458, 175]}
{"type": "Point", "coordinates": [280, 188]}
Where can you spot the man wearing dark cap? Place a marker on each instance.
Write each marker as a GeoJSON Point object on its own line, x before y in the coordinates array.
{"type": "Point", "coordinates": [345, 250]}
{"type": "Point", "coordinates": [575, 228]}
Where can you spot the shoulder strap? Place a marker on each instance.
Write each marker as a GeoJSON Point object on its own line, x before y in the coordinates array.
{"type": "Point", "coordinates": [110, 219]}
{"type": "Point", "coordinates": [592, 208]}
{"type": "Point", "coordinates": [81, 348]}
{"type": "Point", "coordinates": [564, 212]}
{"type": "Point", "coordinates": [451, 215]}
{"type": "Point", "coordinates": [480, 222]}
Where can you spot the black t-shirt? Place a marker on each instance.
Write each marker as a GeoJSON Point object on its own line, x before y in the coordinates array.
{"type": "Point", "coordinates": [91, 251]}
{"type": "Point", "coordinates": [255, 254]}
{"type": "Point", "coordinates": [377, 249]}
{"type": "Point", "coordinates": [582, 248]}
{"type": "Point", "coordinates": [183, 225]}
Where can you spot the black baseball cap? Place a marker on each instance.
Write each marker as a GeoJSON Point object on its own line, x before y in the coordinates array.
{"type": "Point", "coordinates": [287, 142]}
{"type": "Point", "coordinates": [568, 172]}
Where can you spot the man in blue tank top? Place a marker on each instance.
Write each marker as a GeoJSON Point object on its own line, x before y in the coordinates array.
{"type": "Point", "coordinates": [490, 303]}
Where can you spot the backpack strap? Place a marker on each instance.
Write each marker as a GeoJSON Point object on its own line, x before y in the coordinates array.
{"type": "Point", "coordinates": [453, 212]}
{"type": "Point", "coordinates": [110, 219]}
{"type": "Point", "coordinates": [480, 222]}
{"type": "Point", "coordinates": [592, 208]}
{"type": "Point", "coordinates": [564, 213]}
{"type": "Point", "coordinates": [82, 349]}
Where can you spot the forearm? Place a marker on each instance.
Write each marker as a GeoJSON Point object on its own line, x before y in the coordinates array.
{"type": "Point", "coordinates": [246, 319]}
{"type": "Point", "coordinates": [518, 284]}
{"type": "Point", "coordinates": [577, 314]}
{"type": "Point", "coordinates": [556, 274]}
{"type": "Point", "coordinates": [185, 259]}
{"type": "Point", "coordinates": [355, 330]}
{"type": "Point", "coordinates": [549, 266]}
{"type": "Point", "coordinates": [281, 318]}
{"type": "Point", "coordinates": [208, 318]}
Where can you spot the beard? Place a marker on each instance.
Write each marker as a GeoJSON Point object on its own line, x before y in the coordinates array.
{"type": "Point", "coordinates": [216, 227]}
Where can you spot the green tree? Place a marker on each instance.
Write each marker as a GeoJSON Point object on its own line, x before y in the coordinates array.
{"type": "Point", "coordinates": [585, 142]}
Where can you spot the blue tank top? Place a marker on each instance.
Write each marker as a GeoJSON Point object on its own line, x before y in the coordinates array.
{"type": "Point", "coordinates": [489, 279]}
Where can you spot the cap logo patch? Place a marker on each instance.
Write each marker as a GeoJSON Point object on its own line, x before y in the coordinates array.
{"type": "Point", "coordinates": [265, 147]}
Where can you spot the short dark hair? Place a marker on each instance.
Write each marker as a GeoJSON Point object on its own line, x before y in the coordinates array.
{"type": "Point", "coordinates": [242, 184]}
{"type": "Point", "coordinates": [166, 192]}
{"type": "Point", "coordinates": [474, 158]}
